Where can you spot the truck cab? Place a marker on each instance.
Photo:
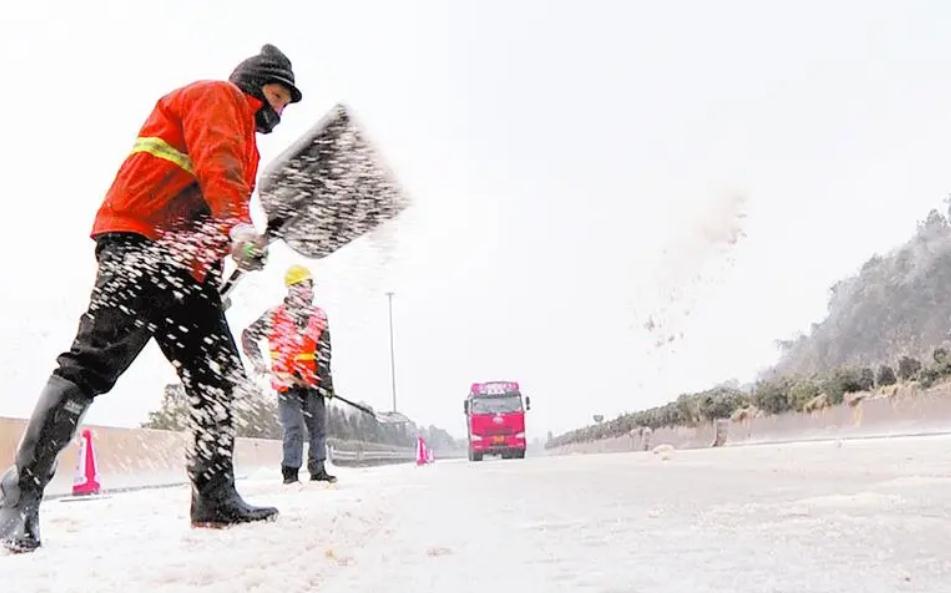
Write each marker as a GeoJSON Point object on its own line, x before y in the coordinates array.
{"type": "Point", "coordinates": [495, 419]}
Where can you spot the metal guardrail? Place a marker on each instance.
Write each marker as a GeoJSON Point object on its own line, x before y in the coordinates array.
{"type": "Point", "coordinates": [357, 453]}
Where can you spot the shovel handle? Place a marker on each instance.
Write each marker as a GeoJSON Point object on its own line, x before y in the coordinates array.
{"type": "Point", "coordinates": [363, 409]}
{"type": "Point", "coordinates": [228, 285]}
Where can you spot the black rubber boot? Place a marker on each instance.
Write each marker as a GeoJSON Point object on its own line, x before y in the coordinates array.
{"type": "Point", "coordinates": [222, 506]}
{"type": "Point", "coordinates": [290, 474]}
{"type": "Point", "coordinates": [215, 501]}
{"type": "Point", "coordinates": [321, 475]}
{"type": "Point", "coordinates": [52, 426]}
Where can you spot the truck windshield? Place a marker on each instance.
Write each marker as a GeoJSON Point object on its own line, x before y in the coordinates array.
{"type": "Point", "coordinates": [496, 405]}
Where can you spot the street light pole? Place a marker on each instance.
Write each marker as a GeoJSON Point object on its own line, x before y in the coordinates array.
{"type": "Point", "coordinates": [389, 296]}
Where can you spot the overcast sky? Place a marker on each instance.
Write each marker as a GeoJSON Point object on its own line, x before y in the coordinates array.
{"type": "Point", "coordinates": [614, 202]}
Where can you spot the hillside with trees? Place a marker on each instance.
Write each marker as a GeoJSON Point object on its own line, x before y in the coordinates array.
{"type": "Point", "coordinates": [889, 323]}
{"type": "Point", "coordinates": [897, 305]}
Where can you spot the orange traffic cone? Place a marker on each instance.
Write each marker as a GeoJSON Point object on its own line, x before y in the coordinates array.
{"type": "Point", "coordinates": [86, 480]}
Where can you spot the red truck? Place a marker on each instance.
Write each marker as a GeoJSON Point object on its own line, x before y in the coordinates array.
{"type": "Point", "coordinates": [495, 419]}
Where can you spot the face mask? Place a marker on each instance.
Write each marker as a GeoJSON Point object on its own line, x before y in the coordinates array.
{"type": "Point", "coordinates": [300, 295]}
{"type": "Point", "coordinates": [266, 119]}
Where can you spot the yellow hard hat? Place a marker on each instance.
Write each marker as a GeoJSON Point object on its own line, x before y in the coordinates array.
{"type": "Point", "coordinates": [295, 275]}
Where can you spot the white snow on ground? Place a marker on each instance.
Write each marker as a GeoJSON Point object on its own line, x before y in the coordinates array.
{"type": "Point", "coordinates": [143, 539]}
{"type": "Point", "coordinates": [868, 516]}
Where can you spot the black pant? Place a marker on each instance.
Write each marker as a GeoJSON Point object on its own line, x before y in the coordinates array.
{"type": "Point", "coordinates": [141, 292]}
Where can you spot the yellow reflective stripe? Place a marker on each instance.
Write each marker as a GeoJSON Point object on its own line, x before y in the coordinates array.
{"type": "Point", "coordinates": [311, 356]}
{"type": "Point", "coordinates": [161, 149]}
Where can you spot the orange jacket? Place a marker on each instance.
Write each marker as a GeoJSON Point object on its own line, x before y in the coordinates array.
{"type": "Point", "coordinates": [190, 174]}
{"type": "Point", "coordinates": [295, 351]}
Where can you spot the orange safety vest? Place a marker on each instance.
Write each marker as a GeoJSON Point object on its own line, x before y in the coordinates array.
{"type": "Point", "coordinates": [293, 351]}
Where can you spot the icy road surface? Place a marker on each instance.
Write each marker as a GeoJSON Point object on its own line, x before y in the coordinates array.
{"type": "Point", "coordinates": [858, 516]}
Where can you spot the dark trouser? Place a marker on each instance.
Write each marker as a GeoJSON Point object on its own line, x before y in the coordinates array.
{"type": "Point", "coordinates": [140, 293]}
{"type": "Point", "coordinates": [298, 408]}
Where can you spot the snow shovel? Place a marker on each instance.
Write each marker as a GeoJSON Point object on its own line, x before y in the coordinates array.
{"type": "Point", "coordinates": [381, 417]}
{"type": "Point", "coordinates": [327, 189]}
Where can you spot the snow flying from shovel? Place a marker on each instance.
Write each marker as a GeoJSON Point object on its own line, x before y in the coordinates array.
{"type": "Point", "coordinates": [327, 189]}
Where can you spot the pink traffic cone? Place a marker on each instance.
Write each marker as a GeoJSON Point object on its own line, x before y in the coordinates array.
{"type": "Point", "coordinates": [420, 451]}
{"type": "Point", "coordinates": [86, 480]}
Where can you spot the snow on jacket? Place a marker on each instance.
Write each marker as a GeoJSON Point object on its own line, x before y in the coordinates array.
{"type": "Point", "coordinates": [189, 177]}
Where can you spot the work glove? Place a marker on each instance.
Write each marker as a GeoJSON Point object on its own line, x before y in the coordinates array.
{"type": "Point", "coordinates": [259, 368]}
{"type": "Point", "coordinates": [248, 249]}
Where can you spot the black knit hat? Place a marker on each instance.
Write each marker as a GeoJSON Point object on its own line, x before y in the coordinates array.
{"type": "Point", "coordinates": [271, 65]}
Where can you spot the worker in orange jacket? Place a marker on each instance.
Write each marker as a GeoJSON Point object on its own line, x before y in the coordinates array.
{"type": "Point", "coordinates": [298, 339]}
{"type": "Point", "coordinates": [177, 207]}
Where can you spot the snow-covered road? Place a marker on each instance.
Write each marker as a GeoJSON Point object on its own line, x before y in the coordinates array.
{"type": "Point", "coordinates": [864, 516]}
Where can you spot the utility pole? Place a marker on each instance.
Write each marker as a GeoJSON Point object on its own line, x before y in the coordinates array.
{"type": "Point", "coordinates": [389, 296]}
